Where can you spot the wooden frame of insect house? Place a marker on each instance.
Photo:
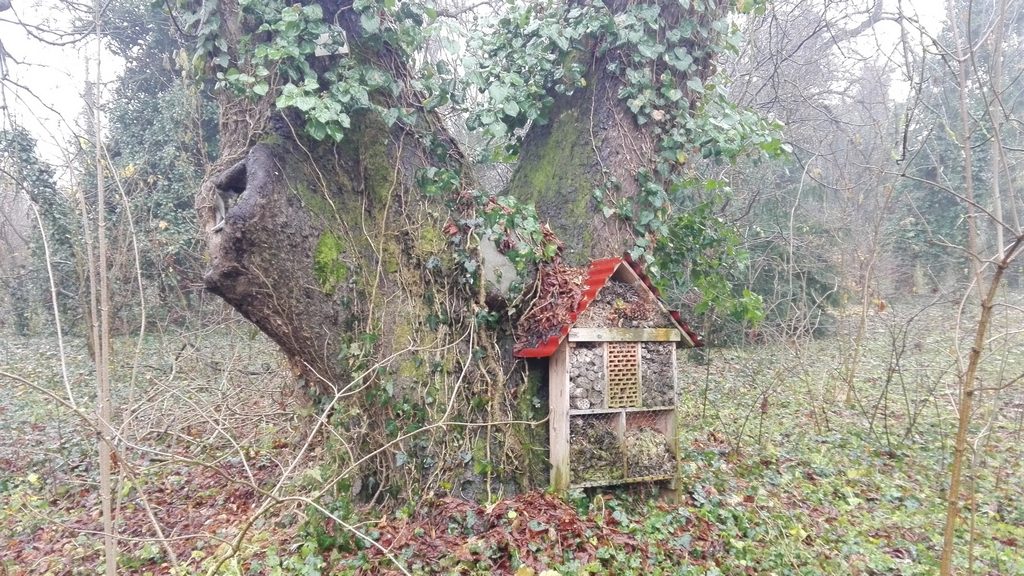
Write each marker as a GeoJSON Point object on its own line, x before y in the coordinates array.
{"type": "Point", "coordinates": [612, 384]}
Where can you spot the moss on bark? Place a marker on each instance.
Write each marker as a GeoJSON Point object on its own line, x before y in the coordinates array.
{"type": "Point", "coordinates": [332, 252]}
{"type": "Point", "coordinates": [558, 172]}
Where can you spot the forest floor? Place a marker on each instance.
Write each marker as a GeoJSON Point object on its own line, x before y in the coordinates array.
{"type": "Point", "coordinates": [787, 467]}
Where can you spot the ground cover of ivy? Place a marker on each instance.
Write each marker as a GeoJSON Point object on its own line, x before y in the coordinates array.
{"type": "Point", "coordinates": [807, 479]}
{"type": "Point", "coordinates": [783, 472]}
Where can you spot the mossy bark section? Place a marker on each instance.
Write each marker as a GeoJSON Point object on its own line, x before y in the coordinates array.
{"type": "Point", "coordinates": [262, 262]}
{"type": "Point", "coordinates": [593, 141]}
{"type": "Point", "coordinates": [332, 253]}
{"type": "Point", "coordinates": [590, 143]}
{"type": "Point", "coordinates": [556, 174]}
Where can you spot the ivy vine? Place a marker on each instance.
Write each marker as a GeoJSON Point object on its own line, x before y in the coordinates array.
{"type": "Point", "coordinates": [512, 73]}
{"type": "Point", "coordinates": [543, 50]}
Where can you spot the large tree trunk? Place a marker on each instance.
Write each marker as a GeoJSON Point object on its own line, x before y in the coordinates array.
{"type": "Point", "coordinates": [327, 243]}
{"type": "Point", "coordinates": [372, 288]}
{"type": "Point", "coordinates": [361, 279]}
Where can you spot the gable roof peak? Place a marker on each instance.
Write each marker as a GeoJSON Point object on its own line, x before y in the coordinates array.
{"type": "Point", "coordinates": [597, 275]}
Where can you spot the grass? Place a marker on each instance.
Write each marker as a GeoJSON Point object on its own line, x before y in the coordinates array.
{"type": "Point", "coordinates": [787, 469]}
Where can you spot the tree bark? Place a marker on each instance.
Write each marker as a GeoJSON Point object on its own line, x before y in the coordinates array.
{"type": "Point", "coordinates": [371, 287]}
{"type": "Point", "coordinates": [1003, 256]}
{"type": "Point", "coordinates": [593, 138]}
{"type": "Point", "coordinates": [366, 285]}
{"type": "Point", "coordinates": [104, 403]}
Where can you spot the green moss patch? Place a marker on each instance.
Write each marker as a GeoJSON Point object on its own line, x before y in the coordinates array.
{"type": "Point", "coordinates": [328, 267]}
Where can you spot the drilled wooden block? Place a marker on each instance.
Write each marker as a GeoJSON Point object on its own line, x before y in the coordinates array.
{"type": "Point", "coordinates": [623, 369]}
{"type": "Point", "coordinates": [657, 380]}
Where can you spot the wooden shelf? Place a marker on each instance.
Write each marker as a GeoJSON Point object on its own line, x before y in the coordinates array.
{"type": "Point", "coordinates": [598, 483]}
{"type": "Point", "coordinates": [625, 335]}
{"type": "Point", "coordinates": [574, 412]}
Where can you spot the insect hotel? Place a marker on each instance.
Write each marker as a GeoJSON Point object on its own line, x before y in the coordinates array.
{"type": "Point", "coordinates": [612, 381]}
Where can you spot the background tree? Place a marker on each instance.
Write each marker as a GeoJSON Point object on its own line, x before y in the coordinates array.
{"type": "Point", "coordinates": [156, 170]}
{"type": "Point", "coordinates": [971, 105]}
{"type": "Point", "coordinates": [806, 215]}
{"type": "Point", "coordinates": [29, 179]}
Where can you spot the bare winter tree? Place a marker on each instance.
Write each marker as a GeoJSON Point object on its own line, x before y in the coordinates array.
{"type": "Point", "coordinates": [968, 106]}
{"type": "Point", "coordinates": [817, 68]}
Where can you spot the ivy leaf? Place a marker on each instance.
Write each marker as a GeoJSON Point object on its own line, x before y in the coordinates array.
{"type": "Point", "coordinates": [313, 12]}
{"type": "Point", "coordinates": [511, 108]}
{"type": "Point", "coordinates": [305, 103]}
{"type": "Point", "coordinates": [316, 129]}
{"type": "Point", "coordinates": [687, 27]}
{"type": "Point", "coordinates": [334, 133]}
{"type": "Point", "coordinates": [370, 22]}
{"type": "Point", "coordinates": [261, 89]}
{"type": "Point", "coordinates": [497, 92]}
{"type": "Point", "coordinates": [650, 50]}
{"type": "Point", "coordinates": [695, 85]}
{"type": "Point", "coordinates": [287, 96]}
{"type": "Point", "coordinates": [390, 116]}
{"type": "Point", "coordinates": [679, 58]}
{"type": "Point", "coordinates": [497, 130]}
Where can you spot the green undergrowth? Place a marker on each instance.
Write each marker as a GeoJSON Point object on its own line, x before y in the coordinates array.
{"type": "Point", "coordinates": [786, 470]}
{"type": "Point", "coordinates": [205, 416]}
{"type": "Point", "coordinates": [819, 504]}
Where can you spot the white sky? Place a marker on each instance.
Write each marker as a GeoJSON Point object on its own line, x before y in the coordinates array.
{"type": "Point", "coordinates": [46, 80]}
{"type": "Point", "coordinates": [883, 39]}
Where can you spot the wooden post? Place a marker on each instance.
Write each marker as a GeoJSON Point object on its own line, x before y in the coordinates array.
{"type": "Point", "coordinates": [671, 433]}
{"type": "Point", "coordinates": [558, 417]}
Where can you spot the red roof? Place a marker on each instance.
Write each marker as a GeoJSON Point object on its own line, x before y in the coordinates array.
{"type": "Point", "coordinates": [598, 274]}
